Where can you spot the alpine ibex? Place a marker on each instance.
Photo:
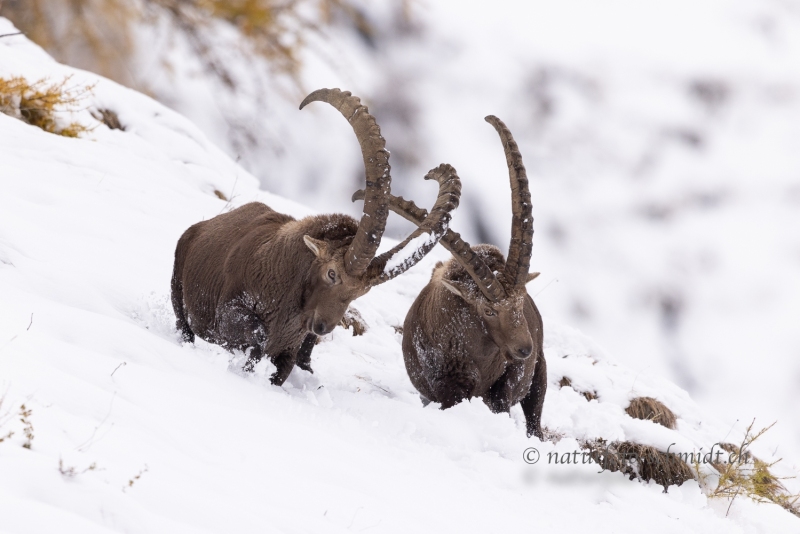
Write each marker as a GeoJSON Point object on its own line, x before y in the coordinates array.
{"type": "Point", "coordinates": [474, 331]}
{"type": "Point", "coordinates": [260, 281]}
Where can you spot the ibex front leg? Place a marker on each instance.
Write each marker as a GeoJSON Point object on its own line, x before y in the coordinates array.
{"type": "Point", "coordinates": [303, 359]}
{"type": "Point", "coordinates": [534, 400]}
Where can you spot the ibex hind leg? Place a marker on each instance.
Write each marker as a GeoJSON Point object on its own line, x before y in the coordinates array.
{"type": "Point", "coordinates": [303, 359]}
{"type": "Point", "coordinates": [253, 358]}
{"type": "Point", "coordinates": [176, 286]}
{"type": "Point", "coordinates": [181, 323]}
{"type": "Point", "coordinates": [534, 400]}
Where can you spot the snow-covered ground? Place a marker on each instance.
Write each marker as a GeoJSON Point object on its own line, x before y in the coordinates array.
{"type": "Point", "coordinates": [134, 431]}
{"type": "Point", "coordinates": [660, 137]}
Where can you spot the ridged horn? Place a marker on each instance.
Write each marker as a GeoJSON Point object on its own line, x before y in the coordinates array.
{"type": "Point", "coordinates": [519, 250]}
{"type": "Point", "coordinates": [376, 165]}
{"type": "Point", "coordinates": [430, 230]}
{"type": "Point", "coordinates": [485, 279]}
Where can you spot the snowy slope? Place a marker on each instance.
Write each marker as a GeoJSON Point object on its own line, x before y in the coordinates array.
{"type": "Point", "coordinates": [181, 442]}
{"type": "Point", "coordinates": [661, 139]}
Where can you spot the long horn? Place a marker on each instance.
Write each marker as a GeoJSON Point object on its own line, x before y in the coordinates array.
{"type": "Point", "coordinates": [485, 279]}
{"type": "Point", "coordinates": [394, 263]}
{"type": "Point", "coordinates": [376, 165]}
{"type": "Point", "coordinates": [519, 251]}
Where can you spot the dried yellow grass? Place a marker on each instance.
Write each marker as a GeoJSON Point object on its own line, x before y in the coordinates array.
{"type": "Point", "coordinates": [750, 476]}
{"type": "Point", "coordinates": [98, 35]}
{"type": "Point", "coordinates": [39, 103]}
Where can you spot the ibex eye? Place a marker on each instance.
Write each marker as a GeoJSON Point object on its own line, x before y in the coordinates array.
{"type": "Point", "coordinates": [332, 275]}
{"type": "Point", "coordinates": [489, 312]}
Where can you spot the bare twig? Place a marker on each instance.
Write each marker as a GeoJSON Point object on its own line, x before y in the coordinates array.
{"type": "Point", "coordinates": [732, 499]}
{"type": "Point", "coordinates": [11, 34]}
{"type": "Point", "coordinates": [83, 447]}
{"type": "Point", "coordinates": [546, 286]}
{"type": "Point", "coordinates": [70, 471]}
{"type": "Point", "coordinates": [120, 365]}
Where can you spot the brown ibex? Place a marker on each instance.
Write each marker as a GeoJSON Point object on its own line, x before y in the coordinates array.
{"type": "Point", "coordinates": [263, 282]}
{"type": "Point", "coordinates": [474, 331]}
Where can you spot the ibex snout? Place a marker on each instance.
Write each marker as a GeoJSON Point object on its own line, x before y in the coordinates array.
{"type": "Point", "coordinates": [522, 352]}
{"type": "Point", "coordinates": [321, 327]}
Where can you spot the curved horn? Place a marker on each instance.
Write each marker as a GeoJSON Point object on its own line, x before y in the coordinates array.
{"type": "Point", "coordinates": [376, 165]}
{"type": "Point", "coordinates": [485, 279]}
{"type": "Point", "coordinates": [519, 251]}
{"type": "Point", "coordinates": [389, 264]}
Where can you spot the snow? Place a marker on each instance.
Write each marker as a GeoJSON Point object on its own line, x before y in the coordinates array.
{"type": "Point", "coordinates": [182, 442]}
{"type": "Point", "coordinates": [412, 252]}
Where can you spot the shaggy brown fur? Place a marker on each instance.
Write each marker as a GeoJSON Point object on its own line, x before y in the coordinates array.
{"type": "Point", "coordinates": [260, 281]}
{"type": "Point", "coordinates": [227, 285]}
{"type": "Point", "coordinates": [474, 331]}
{"type": "Point", "coordinates": [453, 351]}
{"type": "Point", "coordinates": [650, 409]}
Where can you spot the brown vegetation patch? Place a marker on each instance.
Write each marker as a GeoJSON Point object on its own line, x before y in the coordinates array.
{"type": "Point", "coordinates": [566, 382]}
{"type": "Point", "coordinates": [353, 319]}
{"type": "Point", "coordinates": [649, 409]}
{"type": "Point", "coordinates": [641, 462]}
{"type": "Point", "coordinates": [109, 118]}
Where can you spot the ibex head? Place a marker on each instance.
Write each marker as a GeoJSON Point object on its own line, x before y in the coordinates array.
{"type": "Point", "coordinates": [346, 266]}
{"type": "Point", "coordinates": [493, 286]}
{"type": "Point", "coordinates": [330, 289]}
{"type": "Point", "coordinates": [503, 319]}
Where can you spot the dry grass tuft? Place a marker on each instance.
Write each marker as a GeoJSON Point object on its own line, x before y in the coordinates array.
{"type": "Point", "coordinates": [71, 471]}
{"type": "Point", "coordinates": [24, 413]}
{"type": "Point", "coordinates": [353, 319]}
{"type": "Point", "coordinates": [39, 103]}
{"type": "Point", "coordinates": [135, 478]}
{"type": "Point", "coordinates": [641, 462]}
{"type": "Point", "coordinates": [747, 475]}
{"type": "Point", "coordinates": [109, 118]}
{"type": "Point", "coordinates": [99, 35]}
{"type": "Point", "coordinates": [649, 409]}
{"type": "Point", "coordinates": [566, 382]}
{"type": "Point", "coordinates": [27, 425]}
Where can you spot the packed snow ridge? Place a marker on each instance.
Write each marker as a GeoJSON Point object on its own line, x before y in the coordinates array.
{"type": "Point", "coordinates": [129, 430]}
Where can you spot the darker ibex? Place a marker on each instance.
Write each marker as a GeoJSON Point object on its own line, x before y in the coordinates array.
{"type": "Point", "coordinates": [474, 331]}
{"type": "Point", "coordinates": [260, 281]}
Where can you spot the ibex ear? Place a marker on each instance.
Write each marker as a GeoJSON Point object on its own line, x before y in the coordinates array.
{"type": "Point", "coordinates": [317, 246]}
{"type": "Point", "coordinates": [452, 288]}
{"type": "Point", "coordinates": [531, 276]}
